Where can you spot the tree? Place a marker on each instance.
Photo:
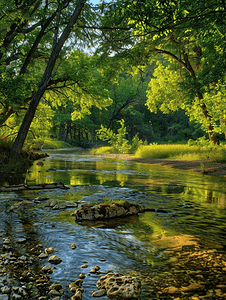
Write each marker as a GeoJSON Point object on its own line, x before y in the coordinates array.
{"type": "Point", "coordinates": [189, 33]}
{"type": "Point", "coordinates": [79, 94]}
{"type": "Point", "coordinates": [48, 75]}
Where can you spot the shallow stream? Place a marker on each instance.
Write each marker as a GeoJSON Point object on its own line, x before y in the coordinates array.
{"type": "Point", "coordinates": [190, 217]}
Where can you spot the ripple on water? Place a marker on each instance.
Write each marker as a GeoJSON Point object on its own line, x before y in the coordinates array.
{"type": "Point", "coordinates": [194, 206]}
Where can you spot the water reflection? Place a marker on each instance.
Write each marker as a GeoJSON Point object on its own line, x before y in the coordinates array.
{"type": "Point", "coordinates": [193, 204]}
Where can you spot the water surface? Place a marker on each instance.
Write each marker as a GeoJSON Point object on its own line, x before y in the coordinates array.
{"type": "Point", "coordinates": [190, 209]}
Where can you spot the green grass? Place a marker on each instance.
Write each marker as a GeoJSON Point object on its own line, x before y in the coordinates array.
{"type": "Point", "coordinates": [48, 144]}
{"type": "Point", "coordinates": [105, 149]}
{"type": "Point", "coordinates": [183, 152]}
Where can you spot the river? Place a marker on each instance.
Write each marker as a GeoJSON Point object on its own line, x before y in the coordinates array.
{"type": "Point", "coordinates": [177, 245]}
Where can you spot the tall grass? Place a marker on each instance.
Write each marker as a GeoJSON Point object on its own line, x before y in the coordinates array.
{"type": "Point", "coordinates": [183, 152]}
{"type": "Point", "coordinates": [48, 143]}
{"type": "Point", "coordinates": [104, 149]}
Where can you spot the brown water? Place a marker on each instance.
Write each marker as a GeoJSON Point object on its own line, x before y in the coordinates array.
{"type": "Point", "coordinates": [190, 210]}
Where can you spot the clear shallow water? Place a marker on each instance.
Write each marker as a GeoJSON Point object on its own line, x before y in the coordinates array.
{"type": "Point", "coordinates": [186, 203]}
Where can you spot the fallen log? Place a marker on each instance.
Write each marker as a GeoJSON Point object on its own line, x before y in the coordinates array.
{"type": "Point", "coordinates": [20, 187]}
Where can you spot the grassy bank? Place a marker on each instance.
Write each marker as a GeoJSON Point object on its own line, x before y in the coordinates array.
{"type": "Point", "coordinates": [47, 143]}
{"type": "Point", "coordinates": [28, 155]}
{"type": "Point", "coordinates": [183, 152]}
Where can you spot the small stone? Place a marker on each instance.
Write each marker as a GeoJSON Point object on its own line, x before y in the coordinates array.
{"type": "Point", "coordinates": [52, 203]}
{"type": "Point", "coordinates": [55, 259]}
{"type": "Point", "coordinates": [5, 290]}
{"type": "Point", "coordinates": [55, 293]}
{"type": "Point", "coordinates": [23, 257]}
{"type": "Point", "coordinates": [102, 259]}
{"type": "Point", "coordinates": [56, 287]}
{"type": "Point", "coordinates": [43, 255]}
{"type": "Point", "coordinates": [22, 240]}
{"type": "Point", "coordinates": [84, 266]}
{"type": "Point", "coordinates": [82, 276]}
{"type": "Point", "coordinates": [99, 293]}
{"type": "Point", "coordinates": [73, 246]}
{"type": "Point", "coordinates": [6, 241]}
{"type": "Point", "coordinates": [77, 296]}
{"type": "Point", "coordinates": [171, 290]}
{"type": "Point", "coordinates": [17, 297]}
{"type": "Point", "coordinates": [41, 198]}
{"type": "Point", "coordinates": [75, 284]}
{"type": "Point", "coordinates": [49, 250]}
{"type": "Point", "coordinates": [192, 288]}
{"type": "Point", "coordinates": [46, 268]}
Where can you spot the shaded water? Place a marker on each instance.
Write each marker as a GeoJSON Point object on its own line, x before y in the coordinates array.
{"type": "Point", "coordinates": [190, 210]}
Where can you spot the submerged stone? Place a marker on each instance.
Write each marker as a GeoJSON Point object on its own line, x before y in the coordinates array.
{"type": "Point", "coordinates": [99, 293]}
{"type": "Point", "coordinates": [118, 286]}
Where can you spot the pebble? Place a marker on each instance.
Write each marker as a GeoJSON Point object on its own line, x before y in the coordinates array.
{"type": "Point", "coordinates": [43, 255]}
{"type": "Point", "coordinates": [22, 240]}
{"type": "Point", "coordinates": [55, 259]}
{"type": "Point", "coordinates": [192, 288]}
{"type": "Point", "coordinates": [73, 246]}
{"type": "Point", "coordinates": [5, 290]}
{"type": "Point", "coordinates": [46, 268]}
{"type": "Point", "coordinates": [49, 250]}
{"type": "Point", "coordinates": [99, 293]}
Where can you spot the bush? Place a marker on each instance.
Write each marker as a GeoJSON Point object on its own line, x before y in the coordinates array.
{"type": "Point", "coordinates": [119, 141]}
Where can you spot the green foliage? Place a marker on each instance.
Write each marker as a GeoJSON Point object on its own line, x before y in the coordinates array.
{"type": "Point", "coordinates": [164, 91]}
{"type": "Point", "coordinates": [189, 35]}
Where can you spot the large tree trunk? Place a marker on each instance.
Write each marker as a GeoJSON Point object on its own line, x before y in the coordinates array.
{"type": "Point", "coordinates": [22, 134]}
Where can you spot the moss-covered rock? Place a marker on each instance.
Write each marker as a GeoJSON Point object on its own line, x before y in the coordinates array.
{"type": "Point", "coordinates": [107, 211]}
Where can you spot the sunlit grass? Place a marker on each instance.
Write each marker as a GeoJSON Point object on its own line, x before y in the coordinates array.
{"type": "Point", "coordinates": [102, 150]}
{"type": "Point", "coordinates": [183, 152]}
{"type": "Point", "coordinates": [49, 144]}
{"type": "Point", "coordinates": [175, 151]}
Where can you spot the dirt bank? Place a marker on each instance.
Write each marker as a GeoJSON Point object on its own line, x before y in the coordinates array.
{"type": "Point", "coordinates": [199, 166]}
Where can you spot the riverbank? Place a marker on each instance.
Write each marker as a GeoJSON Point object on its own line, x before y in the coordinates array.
{"type": "Point", "coordinates": [199, 166]}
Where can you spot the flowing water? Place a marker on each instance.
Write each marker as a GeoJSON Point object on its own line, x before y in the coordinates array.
{"type": "Point", "coordinates": [190, 210]}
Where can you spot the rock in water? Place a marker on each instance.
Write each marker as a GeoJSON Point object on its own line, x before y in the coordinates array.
{"type": "Point", "coordinates": [55, 259]}
{"type": "Point", "coordinates": [119, 286]}
{"type": "Point", "coordinates": [107, 211]}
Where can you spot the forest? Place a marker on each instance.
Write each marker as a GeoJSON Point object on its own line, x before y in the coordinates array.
{"type": "Point", "coordinates": [80, 72]}
{"type": "Point", "coordinates": [112, 149]}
